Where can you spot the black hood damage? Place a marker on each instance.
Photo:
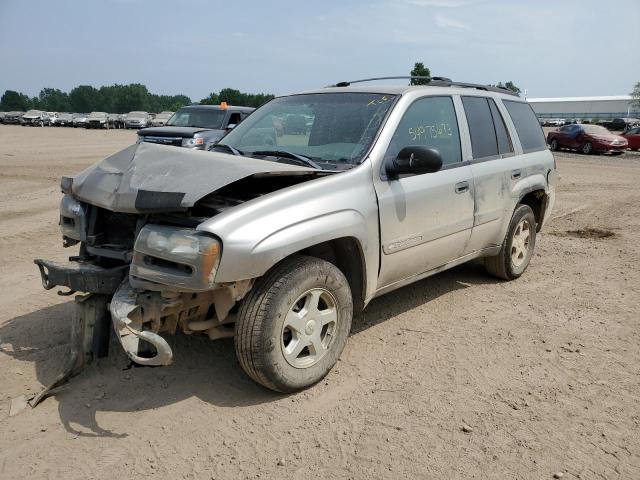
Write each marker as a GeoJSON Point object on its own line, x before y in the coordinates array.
{"type": "Point", "coordinates": [146, 177]}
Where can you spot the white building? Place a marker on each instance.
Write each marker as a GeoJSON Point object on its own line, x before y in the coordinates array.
{"type": "Point", "coordinates": [594, 108]}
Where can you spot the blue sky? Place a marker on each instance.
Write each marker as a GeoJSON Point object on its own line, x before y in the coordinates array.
{"type": "Point", "coordinates": [549, 47]}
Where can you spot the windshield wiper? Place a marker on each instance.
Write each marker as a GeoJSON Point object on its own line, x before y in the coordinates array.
{"type": "Point", "coordinates": [233, 150]}
{"type": "Point", "coordinates": [286, 154]}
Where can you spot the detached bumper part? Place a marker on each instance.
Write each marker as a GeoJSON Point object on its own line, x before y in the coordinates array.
{"type": "Point", "coordinates": [89, 340]}
{"type": "Point", "coordinates": [80, 277]}
{"type": "Point", "coordinates": [126, 317]}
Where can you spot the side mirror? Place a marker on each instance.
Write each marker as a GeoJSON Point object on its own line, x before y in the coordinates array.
{"type": "Point", "coordinates": [231, 126]}
{"type": "Point", "coordinates": [414, 161]}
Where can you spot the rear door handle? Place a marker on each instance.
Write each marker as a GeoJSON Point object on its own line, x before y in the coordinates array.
{"type": "Point", "coordinates": [515, 174]}
{"type": "Point", "coordinates": [462, 187]}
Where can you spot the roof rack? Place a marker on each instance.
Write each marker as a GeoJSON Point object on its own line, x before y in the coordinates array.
{"type": "Point", "coordinates": [434, 82]}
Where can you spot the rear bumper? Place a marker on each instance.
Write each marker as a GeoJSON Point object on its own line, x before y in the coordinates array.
{"type": "Point", "coordinates": [81, 277]}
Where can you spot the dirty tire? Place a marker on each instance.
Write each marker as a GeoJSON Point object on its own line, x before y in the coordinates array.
{"type": "Point", "coordinates": [502, 265]}
{"type": "Point", "coordinates": [261, 319]}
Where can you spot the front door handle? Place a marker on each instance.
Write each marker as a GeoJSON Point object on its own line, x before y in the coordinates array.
{"type": "Point", "coordinates": [515, 174]}
{"type": "Point", "coordinates": [462, 187]}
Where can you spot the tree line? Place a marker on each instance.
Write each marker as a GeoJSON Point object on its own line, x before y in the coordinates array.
{"type": "Point", "coordinates": [119, 99]}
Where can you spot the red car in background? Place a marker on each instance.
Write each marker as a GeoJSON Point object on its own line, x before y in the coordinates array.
{"type": "Point", "coordinates": [587, 139]}
{"type": "Point", "coordinates": [633, 137]}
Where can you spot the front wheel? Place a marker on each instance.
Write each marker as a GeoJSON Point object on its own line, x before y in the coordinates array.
{"type": "Point", "coordinates": [587, 148]}
{"type": "Point", "coordinates": [294, 324]}
{"type": "Point", "coordinates": [554, 145]}
{"type": "Point", "coordinates": [517, 247]}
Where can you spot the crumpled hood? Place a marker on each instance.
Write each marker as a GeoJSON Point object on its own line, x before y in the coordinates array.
{"type": "Point", "coordinates": [146, 177]}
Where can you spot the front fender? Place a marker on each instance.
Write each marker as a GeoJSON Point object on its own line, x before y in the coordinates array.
{"type": "Point", "coordinates": [298, 236]}
{"type": "Point", "coordinates": [258, 234]}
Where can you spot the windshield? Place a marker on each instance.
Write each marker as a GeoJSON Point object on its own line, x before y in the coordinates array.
{"type": "Point", "coordinates": [98, 115]}
{"type": "Point", "coordinates": [330, 128]}
{"type": "Point", "coordinates": [596, 130]}
{"type": "Point", "coordinates": [198, 117]}
{"type": "Point", "coordinates": [32, 112]}
{"type": "Point", "coordinates": [137, 115]}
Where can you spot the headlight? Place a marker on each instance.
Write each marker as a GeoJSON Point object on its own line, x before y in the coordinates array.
{"type": "Point", "coordinates": [73, 218]}
{"type": "Point", "coordinates": [180, 257]}
{"type": "Point", "coordinates": [192, 142]}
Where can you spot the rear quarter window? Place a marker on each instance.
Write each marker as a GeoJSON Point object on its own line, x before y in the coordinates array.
{"type": "Point", "coordinates": [527, 126]}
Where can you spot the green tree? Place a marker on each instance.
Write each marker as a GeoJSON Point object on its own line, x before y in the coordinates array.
{"type": "Point", "coordinates": [237, 98]}
{"type": "Point", "coordinates": [635, 95]}
{"type": "Point", "coordinates": [53, 100]}
{"type": "Point", "coordinates": [12, 100]}
{"type": "Point", "coordinates": [419, 70]}
{"type": "Point", "coordinates": [509, 86]}
{"type": "Point", "coordinates": [84, 98]}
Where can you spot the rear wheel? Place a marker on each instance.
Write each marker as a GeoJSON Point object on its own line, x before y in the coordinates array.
{"type": "Point", "coordinates": [293, 325]}
{"type": "Point", "coordinates": [587, 148]}
{"type": "Point", "coordinates": [517, 247]}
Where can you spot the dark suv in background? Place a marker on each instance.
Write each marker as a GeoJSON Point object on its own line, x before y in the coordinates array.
{"type": "Point", "coordinates": [196, 126]}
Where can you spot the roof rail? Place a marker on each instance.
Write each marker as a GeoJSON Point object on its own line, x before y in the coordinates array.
{"type": "Point", "coordinates": [434, 82]}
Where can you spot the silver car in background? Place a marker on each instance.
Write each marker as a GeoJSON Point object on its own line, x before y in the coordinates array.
{"type": "Point", "coordinates": [35, 118]}
{"type": "Point", "coordinates": [79, 120]}
{"type": "Point", "coordinates": [301, 215]}
{"type": "Point", "coordinates": [161, 119]}
{"type": "Point", "coordinates": [64, 120]}
{"type": "Point", "coordinates": [137, 120]}
{"type": "Point", "coordinates": [97, 120]}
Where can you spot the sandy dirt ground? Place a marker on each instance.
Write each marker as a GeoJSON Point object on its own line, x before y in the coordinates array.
{"type": "Point", "coordinates": [457, 376]}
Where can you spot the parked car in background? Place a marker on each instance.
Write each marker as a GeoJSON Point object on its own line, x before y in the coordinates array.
{"type": "Point", "coordinates": [196, 126]}
{"type": "Point", "coordinates": [12, 118]}
{"type": "Point", "coordinates": [137, 120]}
{"type": "Point", "coordinates": [556, 122]}
{"type": "Point", "coordinates": [2, 115]}
{"type": "Point", "coordinates": [161, 119]}
{"type": "Point", "coordinates": [620, 124]}
{"type": "Point", "coordinates": [79, 120]}
{"type": "Point", "coordinates": [35, 118]}
{"type": "Point", "coordinates": [97, 120]}
{"type": "Point", "coordinates": [633, 138]}
{"type": "Point", "coordinates": [587, 139]}
{"type": "Point", "coordinates": [113, 119]}
{"type": "Point", "coordinates": [64, 120]}
{"type": "Point", "coordinates": [53, 118]}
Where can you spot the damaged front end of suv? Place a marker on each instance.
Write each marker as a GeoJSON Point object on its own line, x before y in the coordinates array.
{"type": "Point", "coordinates": [142, 261]}
{"type": "Point", "coordinates": [271, 237]}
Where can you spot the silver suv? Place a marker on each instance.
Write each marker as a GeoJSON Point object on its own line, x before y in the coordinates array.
{"type": "Point", "coordinates": [314, 205]}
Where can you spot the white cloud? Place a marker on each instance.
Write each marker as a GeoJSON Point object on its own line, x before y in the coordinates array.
{"type": "Point", "coordinates": [446, 22]}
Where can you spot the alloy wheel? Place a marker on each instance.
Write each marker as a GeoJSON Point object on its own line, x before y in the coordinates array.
{"type": "Point", "coordinates": [309, 328]}
{"type": "Point", "coordinates": [520, 243]}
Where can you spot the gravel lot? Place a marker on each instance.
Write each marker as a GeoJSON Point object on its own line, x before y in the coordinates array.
{"type": "Point", "coordinates": [457, 376]}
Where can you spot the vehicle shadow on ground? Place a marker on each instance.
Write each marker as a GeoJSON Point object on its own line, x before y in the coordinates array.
{"type": "Point", "coordinates": [202, 368]}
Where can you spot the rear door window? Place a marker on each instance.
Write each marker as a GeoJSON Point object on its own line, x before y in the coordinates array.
{"type": "Point", "coordinates": [483, 134]}
{"type": "Point", "coordinates": [527, 126]}
{"type": "Point", "coordinates": [505, 146]}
